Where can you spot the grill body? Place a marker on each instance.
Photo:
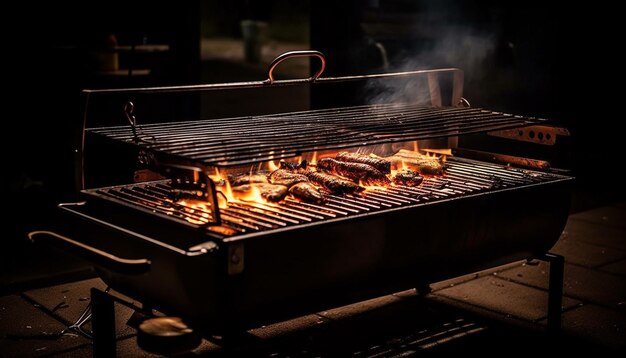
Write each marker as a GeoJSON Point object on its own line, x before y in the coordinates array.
{"type": "Point", "coordinates": [320, 265]}
{"type": "Point", "coordinates": [353, 247]}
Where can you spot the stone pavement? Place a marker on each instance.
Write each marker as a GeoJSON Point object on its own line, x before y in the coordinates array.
{"type": "Point", "coordinates": [494, 312]}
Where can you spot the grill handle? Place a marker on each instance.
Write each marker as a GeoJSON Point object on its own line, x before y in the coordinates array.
{"type": "Point", "coordinates": [294, 54]}
{"type": "Point", "coordinates": [97, 256]}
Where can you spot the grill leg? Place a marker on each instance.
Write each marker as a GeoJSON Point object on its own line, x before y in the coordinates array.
{"type": "Point", "coordinates": [555, 291]}
{"type": "Point", "coordinates": [103, 324]}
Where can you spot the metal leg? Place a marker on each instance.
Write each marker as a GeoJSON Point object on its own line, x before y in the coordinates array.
{"type": "Point", "coordinates": [103, 324]}
{"type": "Point", "coordinates": [555, 291]}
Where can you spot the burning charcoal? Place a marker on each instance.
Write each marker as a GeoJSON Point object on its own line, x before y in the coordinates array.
{"type": "Point", "coordinates": [332, 182]}
{"type": "Point", "coordinates": [270, 192]}
{"type": "Point", "coordinates": [286, 178]}
{"type": "Point", "coordinates": [355, 171]}
{"type": "Point", "coordinates": [248, 179]}
{"type": "Point", "coordinates": [407, 177]}
{"type": "Point", "coordinates": [383, 165]}
{"type": "Point", "coordinates": [307, 192]}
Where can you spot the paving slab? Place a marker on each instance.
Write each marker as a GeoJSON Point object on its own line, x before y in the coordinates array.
{"type": "Point", "coordinates": [602, 326]}
{"type": "Point", "coordinates": [606, 215]}
{"type": "Point", "coordinates": [25, 330]}
{"type": "Point", "coordinates": [504, 296]}
{"type": "Point", "coordinates": [535, 275]}
{"type": "Point", "coordinates": [68, 301]}
{"type": "Point", "coordinates": [586, 254]}
{"type": "Point", "coordinates": [593, 233]}
{"type": "Point", "coordinates": [595, 286]}
{"type": "Point", "coordinates": [580, 282]}
{"type": "Point", "coordinates": [616, 268]}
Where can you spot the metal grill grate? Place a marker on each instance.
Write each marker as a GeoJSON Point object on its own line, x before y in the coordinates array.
{"type": "Point", "coordinates": [245, 140]}
{"type": "Point", "coordinates": [462, 177]}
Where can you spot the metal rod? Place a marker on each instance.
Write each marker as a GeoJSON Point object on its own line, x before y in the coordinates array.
{"type": "Point", "coordinates": [103, 324]}
{"type": "Point", "coordinates": [555, 291]}
{"type": "Point", "coordinates": [259, 84]}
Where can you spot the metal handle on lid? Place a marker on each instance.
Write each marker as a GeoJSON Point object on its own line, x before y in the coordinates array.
{"type": "Point", "coordinates": [294, 54]}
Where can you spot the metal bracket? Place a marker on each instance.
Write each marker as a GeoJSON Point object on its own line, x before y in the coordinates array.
{"type": "Point", "coordinates": [545, 135]}
{"type": "Point", "coordinates": [190, 182]}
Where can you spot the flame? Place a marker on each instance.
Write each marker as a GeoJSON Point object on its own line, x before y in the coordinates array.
{"type": "Point", "coordinates": [441, 151]}
{"type": "Point", "coordinates": [254, 195]}
{"type": "Point", "coordinates": [369, 187]}
{"type": "Point", "coordinates": [217, 177]}
{"type": "Point", "coordinates": [203, 208]}
{"type": "Point", "coordinates": [271, 165]}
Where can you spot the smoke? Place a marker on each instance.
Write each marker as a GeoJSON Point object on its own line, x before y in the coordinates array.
{"type": "Point", "coordinates": [460, 46]}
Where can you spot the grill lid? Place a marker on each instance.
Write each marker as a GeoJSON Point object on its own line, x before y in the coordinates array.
{"type": "Point", "coordinates": [227, 142]}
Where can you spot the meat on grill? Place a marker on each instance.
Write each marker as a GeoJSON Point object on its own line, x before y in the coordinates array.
{"type": "Point", "coordinates": [332, 182]}
{"type": "Point", "coordinates": [355, 171]}
{"type": "Point", "coordinates": [248, 179]}
{"type": "Point", "coordinates": [293, 166]}
{"type": "Point", "coordinates": [270, 192]}
{"type": "Point", "coordinates": [307, 192]}
{"type": "Point", "coordinates": [407, 177]}
{"type": "Point", "coordinates": [286, 178]}
{"type": "Point", "coordinates": [418, 162]}
{"type": "Point", "coordinates": [384, 166]}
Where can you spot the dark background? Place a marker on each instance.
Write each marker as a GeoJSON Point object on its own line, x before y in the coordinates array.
{"type": "Point", "coordinates": [526, 57]}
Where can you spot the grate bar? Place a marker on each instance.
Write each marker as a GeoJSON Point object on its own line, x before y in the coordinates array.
{"type": "Point", "coordinates": [254, 139]}
{"type": "Point", "coordinates": [462, 177]}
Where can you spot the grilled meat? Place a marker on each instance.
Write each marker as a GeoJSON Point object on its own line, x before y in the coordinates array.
{"type": "Point", "coordinates": [384, 166]}
{"type": "Point", "coordinates": [355, 171]}
{"type": "Point", "coordinates": [293, 166]}
{"type": "Point", "coordinates": [332, 182]}
{"type": "Point", "coordinates": [270, 192]}
{"type": "Point", "coordinates": [286, 178]}
{"type": "Point", "coordinates": [307, 192]}
{"type": "Point", "coordinates": [418, 162]}
{"type": "Point", "coordinates": [407, 177]}
{"type": "Point", "coordinates": [248, 179]}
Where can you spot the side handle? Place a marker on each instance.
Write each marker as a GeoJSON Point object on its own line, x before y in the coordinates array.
{"type": "Point", "coordinates": [97, 256]}
{"type": "Point", "coordinates": [294, 54]}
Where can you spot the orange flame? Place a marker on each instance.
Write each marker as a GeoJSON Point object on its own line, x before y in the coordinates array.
{"type": "Point", "coordinates": [254, 195]}
{"type": "Point", "coordinates": [202, 208]}
{"type": "Point", "coordinates": [271, 165]}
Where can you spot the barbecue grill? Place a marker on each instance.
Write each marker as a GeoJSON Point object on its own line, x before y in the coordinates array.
{"type": "Point", "coordinates": [221, 263]}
